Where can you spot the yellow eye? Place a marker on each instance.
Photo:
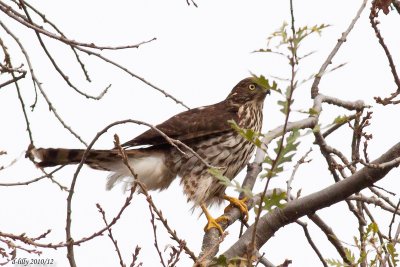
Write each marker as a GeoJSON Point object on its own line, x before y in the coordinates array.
{"type": "Point", "coordinates": [252, 87]}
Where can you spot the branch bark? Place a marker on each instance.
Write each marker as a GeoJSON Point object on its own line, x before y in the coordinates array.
{"type": "Point", "coordinates": [273, 221]}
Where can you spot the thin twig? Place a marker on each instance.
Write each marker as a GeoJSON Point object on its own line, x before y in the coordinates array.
{"type": "Point", "coordinates": [39, 84]}
{"type": "Point", "coordinates": [13, 80]}
{"type": "Point", "coordinates": [211, 237]}
{"type": "Point", "coordinates": [23, 107]}
{"type": "Point", "coordinates": [29, 241]}
{"type": "Point", "coordinates": [312, 244]}
{"type": "Point", "coordinates": [293, 62]}
{"type": "Point", "coordinates": [191, 1]}
{"type": "Point", "coordinates": [331, 236]}
{"type": "Point", "coordinates": [381, 237]}
{"type": "Point", "coordinates": [155, 236]}
{"type": "Point", "coordinates": [328, 61]}
{"type": "Point", "coordinates": [394, 162]}
{"type": "Point", "coordinates": [9, 11]}
{"type": "Point", "coordinates": [392, 221]}
{"type": "Point", "coordinates": [302, 160]}
{"type": "Point", "coordinates": [374, 201]}
{"type": "Point", "coordinates": [278, 218]}
{"type": "Point", "coordinates": [135, 255]}
{"type": "Point", "coordinates": [46, 20]}
{"type": "Point", "coordinates": [372, 18]}
{"type": "Point", "coordinates": [69, 239]}
{"type": "Point", "coordinates": [55, 65]}
{"type": "Point", "coordinates": [144, 191]}
{"type": "Point", "coordinates": [338, 125]}
{"type": "Point", "coordinates": [98, 55]}
{"type": "Point", "coordinates": [33, 180]}
{"type": "Point", "coordinates": [110, 235]}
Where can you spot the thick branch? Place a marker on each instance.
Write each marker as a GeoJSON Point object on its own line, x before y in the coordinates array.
{"type": "Point", "coordinates": [273, 221]}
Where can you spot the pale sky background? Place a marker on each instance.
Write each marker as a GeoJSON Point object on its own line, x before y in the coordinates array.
{"type": "Point", "coordinates": [199, 55]}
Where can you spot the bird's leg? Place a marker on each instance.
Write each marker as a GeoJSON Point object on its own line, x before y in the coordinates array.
{"type": "Point", "coordinates": [240, 204]}
{"type": "Point", "coordinates": [211, 222]}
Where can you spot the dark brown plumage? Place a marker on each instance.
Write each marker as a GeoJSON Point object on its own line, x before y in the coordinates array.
{"type": "Point", "coordinates": [205, 129]}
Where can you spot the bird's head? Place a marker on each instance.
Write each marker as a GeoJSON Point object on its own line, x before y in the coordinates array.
{"type": "Point", "coordinates": [248, 90]}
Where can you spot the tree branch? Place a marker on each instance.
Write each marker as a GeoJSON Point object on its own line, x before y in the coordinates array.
{"type": "Point", "coordinates": [273, 221]}
{"type": "Point", "coordinates": [328, 61]}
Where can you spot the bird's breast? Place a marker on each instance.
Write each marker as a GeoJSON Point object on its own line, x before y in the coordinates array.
{"type": "Point", "coordinates": [250, 116]}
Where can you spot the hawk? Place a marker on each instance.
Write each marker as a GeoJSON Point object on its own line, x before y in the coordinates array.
{"type": "Point", "coordinates": [205, 129]}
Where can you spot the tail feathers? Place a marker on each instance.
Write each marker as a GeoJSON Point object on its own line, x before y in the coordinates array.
{"type": "Point", "coordinates": [149, 166]}
{"type": "Point", "coordinates": [98, 159]}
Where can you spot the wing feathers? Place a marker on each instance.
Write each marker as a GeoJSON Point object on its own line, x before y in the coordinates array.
{"type": "Point", "coordinates": [189, 125]}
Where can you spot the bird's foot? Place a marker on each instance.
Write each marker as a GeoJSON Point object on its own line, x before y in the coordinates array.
{"type": "Point", "coordinates": [211, 222]}
{"type": "Point", "coordinates": [240, 204]}
{"type": "Point", "coordinates": [214, 223]}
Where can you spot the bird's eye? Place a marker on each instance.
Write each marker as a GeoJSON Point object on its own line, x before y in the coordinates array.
{"type": "Point", "coordinates": [252, 87]}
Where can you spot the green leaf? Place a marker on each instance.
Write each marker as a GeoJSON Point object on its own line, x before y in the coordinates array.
{"type": "Point", "coordinates": [394, 256]}
{"type": "Point", "coordinates": [312, 111]}
{"type": "Point", "coordinates": [363, 257]}
{"type": "Point", "coordinates": [233, 262]}
{"type": "Point", "coordinates": [288, 150]}
{"type": "Point", "coordinates": [225, 181]}
{"type": "Point", "coordinates": [372, 227]}
{"type": "Point", "coordinates": [287, 102]}
{"type": "Point", "coordinates": [336, 263]}
{"type": "Point", "coordinates": [341, 119]}
{"type": "Point", "coordinates": [274, 201]}
{"type": "Point", "coordinates": [370, 250]}
{"type": "Point", "coordinates": [373, 262]}
{"type": "Point", "coordinates": [282, 42]}
{"type": "Point", "coordinates": [317, 128]}
{"type": "Point", "coordinates": [221, 178]}
{"type": "Point", "coordinates": [304, 32]}
{"type": "Point", "coordinates": [220, 261]}
{"type": "Point", "coordinates": [285, 107]}
{"type": "Point", "coordinates": [248, 134]}
{"type": "Point", "coordinates": [349, 255]}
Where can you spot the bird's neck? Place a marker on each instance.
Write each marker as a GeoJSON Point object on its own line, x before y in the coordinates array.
{"type": "Point", "coordinates": [250, 116]}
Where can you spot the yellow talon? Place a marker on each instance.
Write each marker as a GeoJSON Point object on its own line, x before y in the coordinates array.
{"type": "Point", "coordinates": [240, 204]}
{"type": "Point", "coordinates": [211, 222]}
{"type": "Point", "coordinates": [214, 223]}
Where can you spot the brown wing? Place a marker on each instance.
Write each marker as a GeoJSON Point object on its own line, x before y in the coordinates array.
{"type": "Point", "coordinates": [191, 124]}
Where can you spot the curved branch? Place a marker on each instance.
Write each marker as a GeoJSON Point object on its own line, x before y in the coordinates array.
{"type": "Point", "coordinates": [69, 239]}
{"type": "Point", "coordinates": [105, 59]}
{"type": "Point", "coordinates": [55, 65]}
{"type": "Point", "coordinates": [9, 11]}
{"type": "Point", "coordinates": [273, 221]}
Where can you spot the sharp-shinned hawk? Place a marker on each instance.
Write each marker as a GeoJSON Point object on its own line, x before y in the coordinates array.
{"type": "Point", "coordinates": [205, 129]}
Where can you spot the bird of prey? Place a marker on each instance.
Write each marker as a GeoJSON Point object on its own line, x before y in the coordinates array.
{"type": "Point", "coordinates": [205, 130]}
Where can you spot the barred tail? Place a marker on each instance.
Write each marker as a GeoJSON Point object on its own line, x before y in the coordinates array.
{"type": "Point", "coordinates": [148, 165]}
{"type": "Point", "coordinates": [98, 159]}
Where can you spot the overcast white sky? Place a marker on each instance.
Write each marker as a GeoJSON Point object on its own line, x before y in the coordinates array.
{"type": "Point", "coordinates": [199, 55]}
